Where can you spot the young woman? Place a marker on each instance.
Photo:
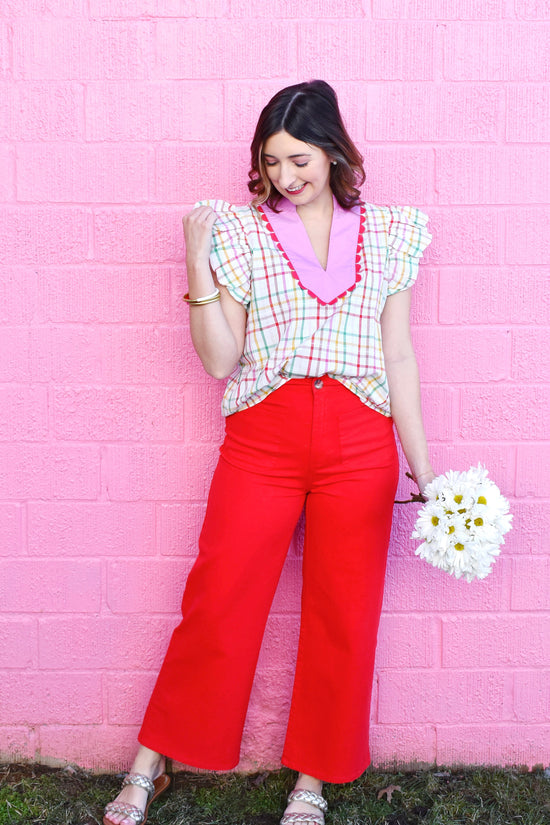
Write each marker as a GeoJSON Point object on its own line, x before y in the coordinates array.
{"type": "Point", "coordinates": [301, 298]}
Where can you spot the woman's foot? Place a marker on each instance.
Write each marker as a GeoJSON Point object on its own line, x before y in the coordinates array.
{"type": "Point", "coordinates": [301, 811]}
{"type": "Point", "coordinates": [149, 764]}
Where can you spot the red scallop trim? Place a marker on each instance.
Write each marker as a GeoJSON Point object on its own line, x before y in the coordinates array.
{"type": "Point", "coordinates": [295, 274]}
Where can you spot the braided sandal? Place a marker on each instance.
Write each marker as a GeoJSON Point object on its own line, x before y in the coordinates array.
{"type": "Point", "coordinates": [153, 788]}
{"type": "Point", "coordinates": [312, 798]}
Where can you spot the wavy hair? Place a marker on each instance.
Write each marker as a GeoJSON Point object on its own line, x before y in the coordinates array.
{"type": "Point", "coordinates": [310, 113]}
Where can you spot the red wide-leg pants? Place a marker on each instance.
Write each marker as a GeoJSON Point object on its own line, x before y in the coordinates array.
{"type": "Point", "coordinates": [310, 442]}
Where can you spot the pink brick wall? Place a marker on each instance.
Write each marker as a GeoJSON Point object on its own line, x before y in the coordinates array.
{"type": "Point", "coordinates": [114, 118]}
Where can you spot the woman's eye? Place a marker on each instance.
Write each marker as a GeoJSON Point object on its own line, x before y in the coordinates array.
{"type": "Point", "coordinates": [302, 164]}
{"type": "Point", "coordinates": [270, 162]}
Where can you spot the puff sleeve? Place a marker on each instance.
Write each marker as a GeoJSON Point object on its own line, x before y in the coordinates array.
{"type": "Point", "coordinates": [407, 240]}
{"type": "Point", "coordinates": [230, 256]}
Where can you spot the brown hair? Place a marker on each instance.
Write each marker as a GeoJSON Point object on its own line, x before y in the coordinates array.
{"type": "Point", "coordinates": [309, 112]}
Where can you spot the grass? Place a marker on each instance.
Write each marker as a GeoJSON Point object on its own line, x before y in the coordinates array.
{"type": "Point", "coordinates": [30, 795]}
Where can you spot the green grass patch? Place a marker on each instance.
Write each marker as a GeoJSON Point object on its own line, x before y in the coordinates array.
{"type": "Point", "coordinates": [35, 795]}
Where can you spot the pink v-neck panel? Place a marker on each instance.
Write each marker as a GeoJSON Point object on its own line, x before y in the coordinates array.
{"type": "Point", "coordinates": [343, 269]}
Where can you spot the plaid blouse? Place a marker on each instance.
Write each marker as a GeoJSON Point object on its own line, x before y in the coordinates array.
{"type": "Point", "coordinates": [290, 332]}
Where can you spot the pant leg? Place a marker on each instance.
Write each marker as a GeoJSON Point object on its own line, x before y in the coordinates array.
{"type": "Point", "coordinates": [348, 522]}
{"type": "Point", "coordinates": [197, 710]}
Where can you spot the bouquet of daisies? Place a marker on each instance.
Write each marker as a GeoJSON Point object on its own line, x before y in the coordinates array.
{"type": "Point", "coordinates": [463, 523]}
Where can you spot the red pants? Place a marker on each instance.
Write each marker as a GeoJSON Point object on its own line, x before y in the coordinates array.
{"type": "Point", "coordinates": [310, 442]}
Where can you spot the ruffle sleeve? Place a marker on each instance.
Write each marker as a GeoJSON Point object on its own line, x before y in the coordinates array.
{"type": "Point", "coordinates": [407, 240]}
{"type": "Point", "coordinates": [230, 256]}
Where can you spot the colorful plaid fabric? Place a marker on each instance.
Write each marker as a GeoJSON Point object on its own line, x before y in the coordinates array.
{"type": "Point", "coordinates": [289, 333]}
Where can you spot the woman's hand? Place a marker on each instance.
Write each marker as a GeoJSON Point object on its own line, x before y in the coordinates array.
{"type": "Point", "coordinates": [197, 229]}
{"type": "Point", "coordinates": [423, 479]}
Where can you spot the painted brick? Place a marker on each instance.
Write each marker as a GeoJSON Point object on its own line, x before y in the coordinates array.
{"type": "Point", "coordinates": [146, 586]}
{"type": "Point", "coordinates": [528, 235]}
{"type": "Point", "coordinates": [494, 296]}
{"type": "Point", "coordinates": [127, 698]}
{"type": "Point", "coordinates": [419, 696]}
{"type": "Point", "coordinates": [7, 174]}
{"type": "Point", "coordinates": [407, 641]}
{"type": "Point", "coordinates": [192, 173]}
{"type": "Point", "coordinates": [164, 472]}
{"type": "Point", "coordinates": [427, 112]}
{"type": "Point", "coordinates": [157, 8]}
{"type": "Point", "coordinates": [153, 111]}
{"type": "Point", "coordinates": [19, 302]}
{"type": "Point", "coordinates": [519, 418]}
{"type": "Point", "coordinates": [89, 354]}
{"type": "Point", "coordinates": [18, 643]}
{"type": "Point", "coordinates": [463, 235]}
{"type": "Point", "coordinates": [25, 353]}
{"type": "Point", "coordinates": [86, 173]}
{"type": "Point", "coordinates": [5, 52]}
{"type": "Point", "coordinates": [132, 236]}
{"type": "Point", "coordinates": [244, 101]}
{"type": "Point", "coordinates": [23, 413]}
{"type": "Point", "coordinates": [493, 175]}
{"type": "Point", "coordinates": [398, 175]}
{"type": "Point", "coordinates": [307, 9]}
{"type": "Point", "coordinates": [398, 746]}
{"type": "Point", "coordinates": [503, 51]}
{"type": "Point", "coordinates": [500, 745]}
{"type": "Point", "coordinates": [425, 296]}
{"type": "Point", "coordinates": [17, 743]}
{"type": "Point", "coordinates": [106, 294]}
{"type": "Point", "coordinates": [374, 50]}
{"type": "Point", "coordinates": [25, 698]}
{"type": "Point", "coordinates": [119, 643]}
{"type": "Point", "coordinates": [93, 747]}
{"type": "Point", "coordinates": [533, 469]}
{"type": "Point", "coordinates": [500, 460]}
{"type": "Point", "coordinates": [43, 8]}
{"type": "Point", "coordinates": [204, 422]}
{"type": "Point", "coordinates": [12, 538]}
{"type": "Point", "coordinates": [494, 641]}
{"type": "Point", "coordinates": [225, 48]}
{"type": "Point", "coordinates": [439, 9]}
{"type": "Point", "coordinates": [44, 471]}
{"type": "Point", "coordinates": [412, 585]}
{"type": "Point", "coordinates": [439, 405]}
{"type": "Point", "coordinates": [177, 529]}
{"type": "Point", "coordinates": [90, 529]}
{"type": "Point", "coordinates": [52, 586]}
{"type": "Point", "coordinates": [121, 413]}
{"type": "Point", "coordinates": [280, 644]}
{"type": "Point", "coordinates": [532, 695]}
{"type": "Point", "coordinates": [66, 50]}
{"type": "Point", "coordinates": [532, 9]}
{"type": "Point", "coordinates": [531, 525]}
{"type": "Point", "coordinates": [476, 355]}
{"type": "Point", "coordinates": [41, 111]}
{"type": "Point", "coordinates": [40, 235]}
{"type": "Point", "coordinates": [532, 346]}
{"type": "Point", "coordinates": [287, 599]}
{"type": "Point", "coordinates": [528, 113]}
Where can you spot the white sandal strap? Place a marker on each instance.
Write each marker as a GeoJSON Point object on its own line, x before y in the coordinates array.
{"type": "Point", "coordinates": [291, 819]}
{"type": "Point", "coordinates": [312, 798]}
{"type": "Point", "coordinates": [131, 811]}
{"type": "Point", "coordinates": [141, 780]}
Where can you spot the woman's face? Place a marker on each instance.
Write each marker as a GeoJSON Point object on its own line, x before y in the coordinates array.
{"type": "Point", "coordinates": [299, 171]}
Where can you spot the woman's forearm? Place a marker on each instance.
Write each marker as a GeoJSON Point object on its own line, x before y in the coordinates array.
{"type": "Point", "coordinates": [406, 410]}
{"type": "Point", "coordinates": [217, 329]}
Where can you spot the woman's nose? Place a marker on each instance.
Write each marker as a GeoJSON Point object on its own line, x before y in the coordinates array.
{"type": "Point", "coordinates": [287, 175]}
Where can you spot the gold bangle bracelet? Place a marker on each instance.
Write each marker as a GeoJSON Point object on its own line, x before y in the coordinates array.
{"type": "Point", "coordinates": [206, 299]}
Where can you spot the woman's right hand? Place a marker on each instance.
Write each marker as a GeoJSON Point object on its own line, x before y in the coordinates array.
{"type": "Point", "coordinates": [197, 229]}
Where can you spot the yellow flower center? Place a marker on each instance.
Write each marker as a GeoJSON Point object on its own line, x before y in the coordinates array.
{"type": "Point", "coordinates": [478, 522]}
{"type": "Point", "coordinates": [482, 500]}
{"type": "Point", "coordinates": [458, 499]}
{"type": "Point", "coordinates": [451, 528]}
{"type": "Point", "coordinates": [463, 509]}
{"type": "Point", "coordinates": [459, 546]}
{"type": "Point", "coordinates": [435, 521]}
